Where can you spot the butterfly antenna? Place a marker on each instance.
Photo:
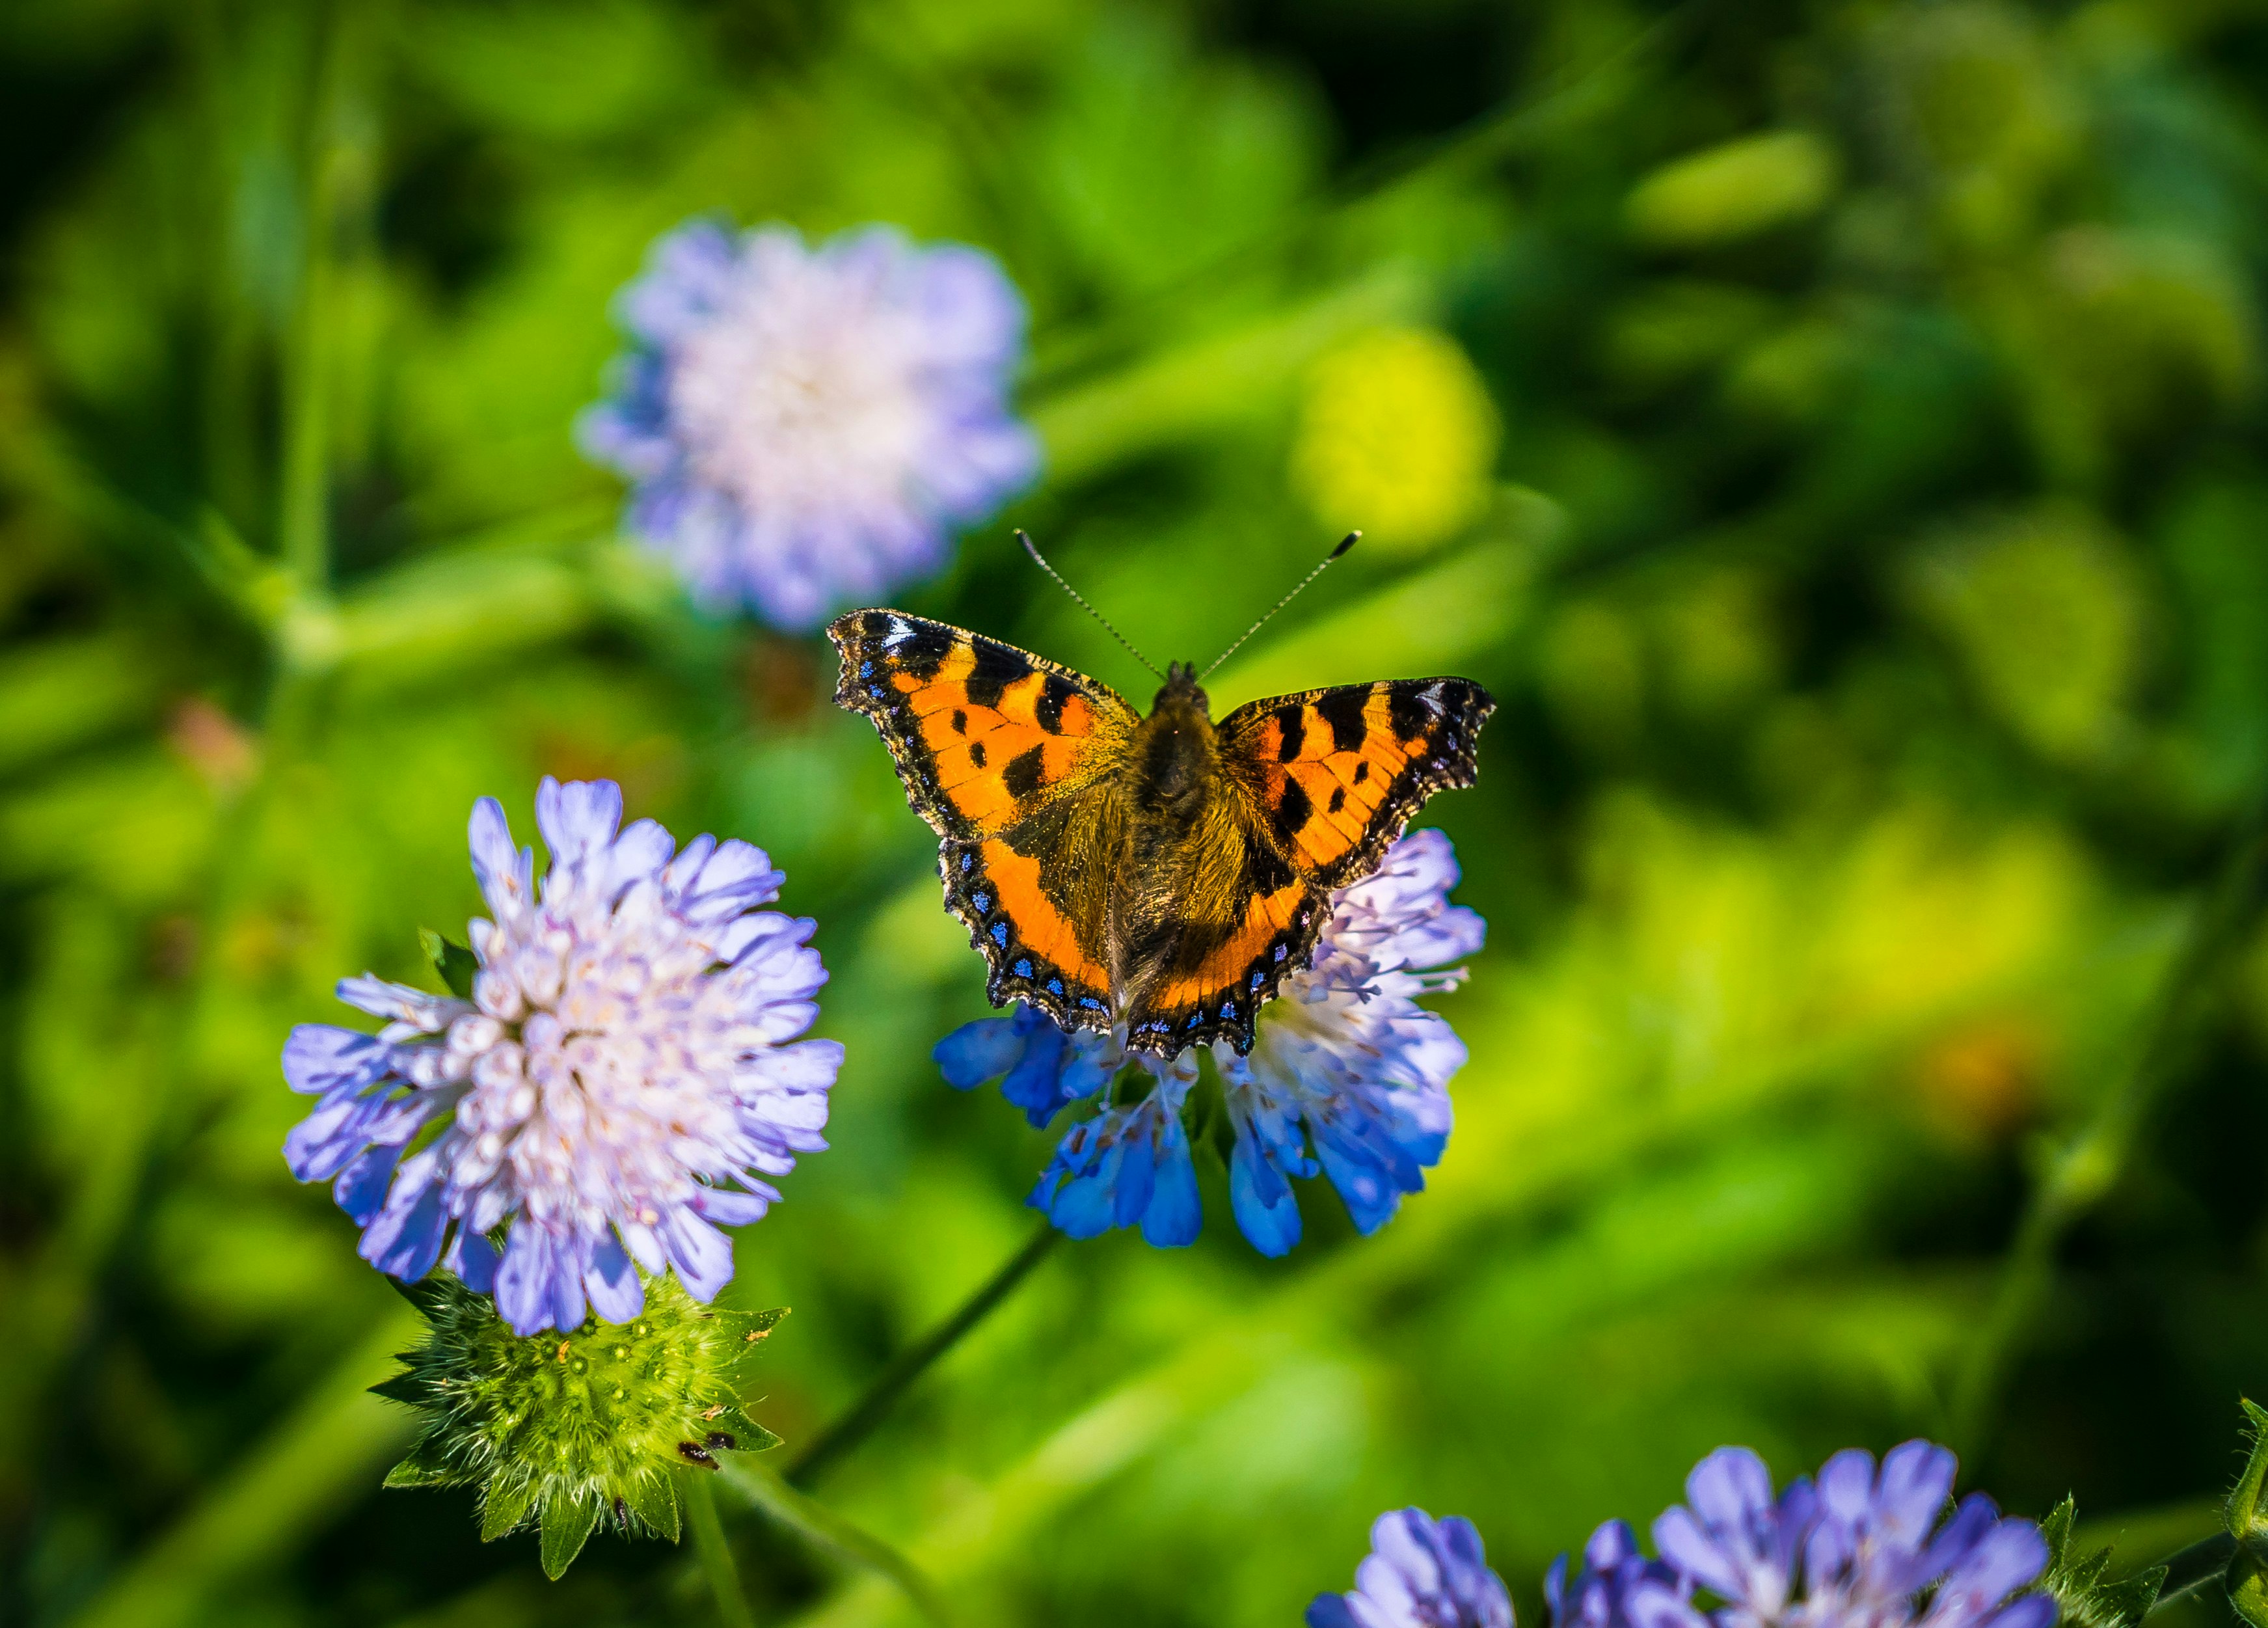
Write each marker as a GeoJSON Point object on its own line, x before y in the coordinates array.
{"type": "Point", "coordinates": [1346, 542]}
{"type": "Point", "coordinates": [1040, 559]}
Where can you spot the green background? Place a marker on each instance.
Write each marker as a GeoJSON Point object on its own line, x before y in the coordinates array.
{"type": "Point", "coordinates": [1864, 529]}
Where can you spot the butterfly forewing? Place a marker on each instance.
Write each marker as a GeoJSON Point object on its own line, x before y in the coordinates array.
{"type": "Point", "coordinates": [1337, 773]}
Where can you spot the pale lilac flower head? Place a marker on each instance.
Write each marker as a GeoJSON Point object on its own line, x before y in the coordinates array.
{"type": "Point", "coordinates": [1862, 1549]}
{"type": "Point", "coordinates": [806, 427]}
{"type": "Point", "coordinates": [1420, 1573]}
{"type": "Point", "coordinates": [1348, 1077]}
{"type": "Point", "coordinates": [624, 1076]}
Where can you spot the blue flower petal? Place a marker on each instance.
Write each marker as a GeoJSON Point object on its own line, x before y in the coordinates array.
{"type": "Point", "coordinates": [405, 1241]}
{"type": "Point", "coordinates": [1266, 1211]}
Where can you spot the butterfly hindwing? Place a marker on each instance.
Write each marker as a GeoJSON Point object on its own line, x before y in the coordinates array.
{"type": "Point", "coordinates": [1036, 901]}
{"type": "Point", "coordinates": [1337, 773]}
{"type": "Point", "coordinates": [1009, 758]}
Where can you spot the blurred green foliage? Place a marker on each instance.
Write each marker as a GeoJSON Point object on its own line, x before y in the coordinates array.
{"type": "Point", "coordinates": [1834, 431]}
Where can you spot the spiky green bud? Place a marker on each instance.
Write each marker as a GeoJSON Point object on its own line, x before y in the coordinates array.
{"type": "Point", "coordinates": [559, 1433]}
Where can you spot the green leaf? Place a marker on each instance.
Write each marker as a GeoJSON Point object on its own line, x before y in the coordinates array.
{"type": "Point", "coordinates": [454, 961]}
{"type": "Point", "coordinates": [756, 1439]}
{"type": "Point", "coordinates": [2079, 1584]}
{"type": "Point", "coordinates": [411, 1472]}
{"type": "Point", "coordinates": [567, 1525]}
{"type": "Point", "coordinates": [503, 1510]}
{"type": "Point", "coordinates": [653, 1500]}
{"type": "Point", "coordinates": [409, 1388]}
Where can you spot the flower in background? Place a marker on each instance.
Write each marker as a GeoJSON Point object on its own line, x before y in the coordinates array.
{"type": "Point", "coordinates": [1348, 1077]}
{"type": "Point", "coordinates": [1616, 1588]}
{"type": "Point", "coordinates": [804, 427]}
{"type": "Point", "coordinates": [1420, 1573]}
{"type": "Point", "coordinates": [617, 1066]}
{"type": "Point", "coordinates": [1397, 438]}
{"type": "Point", "coordinates": [1860, 1548]}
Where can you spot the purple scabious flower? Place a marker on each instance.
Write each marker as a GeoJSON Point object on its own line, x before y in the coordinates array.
{"type": "Point", "coordinates": [1420, 1573]}
{"type": "Point", "coordinates": [622, 1078]}
{"type": "Point", "coordinates": [805, 427]}
{"type": "Point", "coordinates": [1862, 1548]}
{"type": "Point", "coordinates": [1616, 1587]}
{"type": "Point", "coordinates": [1348, 1077]}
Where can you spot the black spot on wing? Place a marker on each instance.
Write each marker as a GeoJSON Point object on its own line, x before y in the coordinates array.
{"type": "Point", "coordinates": [1291, 811]}
{"type": "Point", "coordinates": [976, 753]}
{"type": "Point", "coordinates": [923, 651]}
{"type": "Point", "coordinates": [1055, 692]}
{"type": "Point", "coordinates": [1292, 720]}
{"type": "Point", "coordinates": [959, 722]}
{"type": "Point", "coordinates": [1408, 712]}
{"type": "Point", "coordinates": [1022, 773]}
{"type": "Point", "coordinates": [1342, 709]}
{"type": "Point", "coordinates": [997, 666]}
{"type": "Point", "coordinates": [1338, 799]}
{"type": "Point", "coordinates": [1362, 771]}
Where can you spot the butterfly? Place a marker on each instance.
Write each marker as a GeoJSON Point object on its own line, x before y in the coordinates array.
{"type": "Point", "coordinates": [1162, 873]}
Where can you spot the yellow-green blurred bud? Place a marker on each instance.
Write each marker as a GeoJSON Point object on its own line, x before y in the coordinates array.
{"type": "Point", "coordinates": [559, 1433]}
{"type": "Point", "coordinates": [1397, 439]}
{"type": "Point", "coordinates": [1734, 190]}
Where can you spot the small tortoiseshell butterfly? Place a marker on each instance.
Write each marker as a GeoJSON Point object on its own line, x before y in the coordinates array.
{"type": "Point", "coordinates": [1162, 871]}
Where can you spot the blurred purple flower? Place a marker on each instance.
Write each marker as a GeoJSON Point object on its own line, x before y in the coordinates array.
{"type": "Point", "coordinates": [1348, 1077]}
{"type": "Point", "coordinates": [1420, 1573]}
{"type": "Point", "coordinates": [1859, 1549]}
{"type": "Point", "coordinates": [1616, 1587]}
{"type": "Point", "coordinates": [626, 1066]}
{"type": "Point", "coordinates": [805, 427]}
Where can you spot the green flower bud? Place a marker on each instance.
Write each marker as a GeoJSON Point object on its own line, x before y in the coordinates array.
{"type": "Point", "coordinates": [559, 1433]}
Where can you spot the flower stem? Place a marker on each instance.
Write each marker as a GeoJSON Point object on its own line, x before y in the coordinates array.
{"type": "Point", "coordinates": [769, 1490]}
{"type": "Point", "coordinates": [867, 1412]}
{"type": "Point", "coordinates": [2203, 1562]}
{"type": "Point", "coordinates": [2086, 1168]}
{"type": "Point", "coordinates": [716, 1553]}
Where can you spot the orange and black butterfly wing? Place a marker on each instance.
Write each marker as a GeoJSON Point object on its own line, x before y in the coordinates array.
{"type": "Point", "coordinates": [1336, 774]}
{"type": "Point", "coordinates": [1009, 758]}
{"type": "Point", "coordinates": [1322, 782]}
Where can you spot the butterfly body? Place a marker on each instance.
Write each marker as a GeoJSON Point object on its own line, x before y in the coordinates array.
{"type": "Point", "coordinates": [1163, 872]}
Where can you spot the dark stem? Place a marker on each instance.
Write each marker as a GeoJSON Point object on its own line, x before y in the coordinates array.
{"type": "Point", "coordinates": [868, 1412]}
{"type": "Point", "coordinates": [2201, 1562]}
